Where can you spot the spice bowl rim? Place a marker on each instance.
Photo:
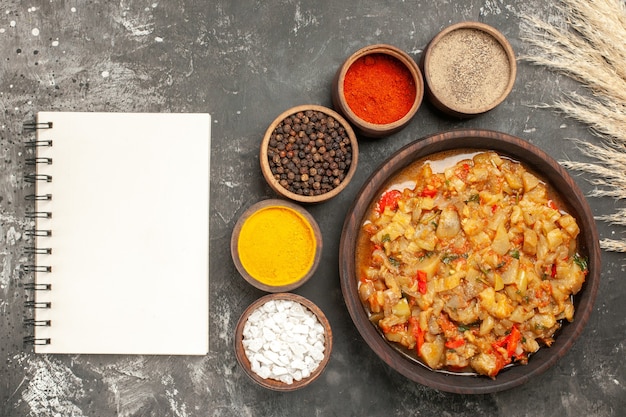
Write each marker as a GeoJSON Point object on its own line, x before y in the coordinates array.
{"type": "Point", "coordinates": [282, 191]}
{"type": "Point", "coordinates": [250, 211]}
{"type": "Point", "coordinates": [441, 102]}
{"type": "Point", "coordinates": [366, 128]}
{"type": "Point", "coordinates": [272, 384]}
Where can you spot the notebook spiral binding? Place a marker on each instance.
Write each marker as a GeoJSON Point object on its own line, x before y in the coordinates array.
{"type": "Point", "coordinates": [36, 232]}
{"type": "Point", "coordinates": [34, 125]}
{"type": "Point", "coordinates": [31, 340]}
{"type": "Point", "coordinates": [35, 161]}
{"type": "Point", "coordinates": [35, 268]}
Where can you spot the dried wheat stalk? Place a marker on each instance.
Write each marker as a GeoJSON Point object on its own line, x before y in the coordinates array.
{"type": "Point", "coordinates": [589, 46]}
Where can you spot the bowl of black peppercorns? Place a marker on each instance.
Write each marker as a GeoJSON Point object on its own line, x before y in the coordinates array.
{"type": "Point", "coordinates": [309, 154]}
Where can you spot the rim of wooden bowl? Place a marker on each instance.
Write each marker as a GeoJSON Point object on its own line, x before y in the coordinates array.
{"type": "Point", "coordinates": [551, 171]}
{"type": "Point", "coordinates": [267, 172]}
{"type": "Point", "coordinates": [234, 251]}
{"type": "Point", "coordinates": [367, 128]}
{"type": "Point", "coordinates": [440, 101]}
{"type": "Point", "coordinates": [271, 383]}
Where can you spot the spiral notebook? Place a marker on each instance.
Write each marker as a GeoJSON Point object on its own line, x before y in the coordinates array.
{"type": "Point", "coordinates": [121, 229]}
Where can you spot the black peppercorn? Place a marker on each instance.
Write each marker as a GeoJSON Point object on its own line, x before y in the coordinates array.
{"type": "Point", "coordinates": [310, 153]}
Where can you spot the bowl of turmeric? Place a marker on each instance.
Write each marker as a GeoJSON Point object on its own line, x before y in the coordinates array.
{"type": "Point", "coordinates": [378, 88]}
{"type": "Point", "coordinates": [276, 245]}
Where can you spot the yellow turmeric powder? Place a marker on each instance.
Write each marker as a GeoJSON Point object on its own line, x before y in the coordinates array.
{"type": "Point", "coordinates": [276, 246]}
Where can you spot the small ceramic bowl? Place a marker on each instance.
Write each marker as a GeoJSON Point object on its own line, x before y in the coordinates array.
{"type": "Point", "coordinates": [309, 154]}
{"type": "Point", "coordinates": [469, 68]}
{"type": "Point", "coordinates": [270, 382]}
{"type": "Point", "coordinates": [389, 105]}
{"type": "Point", "coordinates": [260, 233]}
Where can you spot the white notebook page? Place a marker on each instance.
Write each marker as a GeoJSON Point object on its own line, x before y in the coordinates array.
{"type": "Point", "coordinates": [130, 233]}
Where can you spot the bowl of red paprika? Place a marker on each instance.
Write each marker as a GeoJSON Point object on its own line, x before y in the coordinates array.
{"type": "Point", "coordinates": [378, 88]}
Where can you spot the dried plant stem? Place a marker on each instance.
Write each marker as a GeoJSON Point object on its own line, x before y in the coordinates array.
{"type": "Point", "coordinates": [589, 47]}
{"type": "Point", "coordinates": [605, 118]}
{"type": "Point", "coordinates": [619, 217]}
{"type": "Point", "coordinates": [591, 51]}
{"type": "Point", "coordinates": [610, 176]}
{"type": "Point", "coordinates": [613, 245]}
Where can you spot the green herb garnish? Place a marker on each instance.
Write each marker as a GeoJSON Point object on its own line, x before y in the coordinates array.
{"type": "Point", "coordinates": [394, 262]}
{"type": "Point", "coordinates": [451, 257]}
{"type": "Point", "coordinates": [581, 262]}
{"type": "Point", "coordinates": [474, 198]}
{"type": "Point", "coordinates": [426, 255]}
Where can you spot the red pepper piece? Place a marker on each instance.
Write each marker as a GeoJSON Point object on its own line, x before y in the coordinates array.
{"type": "Point", "coordinates": [509, 342]}
{"type": "Point", "coordinates": [418, 333]}
{"type": "Point", "coordinates": [389, 199]}
{"type": "Point", "coordinates": [428, 192]}
{"type": "Point", "coordinates": [553, 205]}
{"type": "Point", "coordinates": [455, 343]}
{"type": "Point", "coordinates": [422, 284]}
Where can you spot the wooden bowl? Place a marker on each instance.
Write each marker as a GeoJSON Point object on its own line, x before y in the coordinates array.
{"type": "Point", "coordinates": [290, 212]}
{"type": "Point", "coordinates": [336, 181]}
{"type": "Point", "coordinates": [273, 384]}
{"type": "Point", "coordinates": [469, 68]}
{"type": "Point", "coordinates": [536, 160]}
{"type": "Point", "coordinates": [362, 126]}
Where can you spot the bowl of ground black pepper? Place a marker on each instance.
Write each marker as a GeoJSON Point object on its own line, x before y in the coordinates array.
{"type": "Point", "coordinates": [469, 68]}
{"type": "Point", "coordinates": [309, 154]}
{"type": "Point", "coordinates": [379, 88]}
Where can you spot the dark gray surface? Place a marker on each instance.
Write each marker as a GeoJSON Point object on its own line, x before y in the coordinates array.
{"type": "Point", "coordinates": [246, 62]}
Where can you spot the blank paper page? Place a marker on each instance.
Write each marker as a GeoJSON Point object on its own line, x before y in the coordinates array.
{"type": "Point", "coordinates": [130, 233]}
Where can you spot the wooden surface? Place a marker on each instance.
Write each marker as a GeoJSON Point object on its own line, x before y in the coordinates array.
{"type": "Point", "coordinates": [245, 62]}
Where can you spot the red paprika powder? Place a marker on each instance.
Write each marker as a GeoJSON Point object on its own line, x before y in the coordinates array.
{"type": "Point", "coordinates": [379, 88]}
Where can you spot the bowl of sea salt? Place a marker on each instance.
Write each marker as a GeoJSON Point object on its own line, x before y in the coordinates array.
{"type": "Point", "coordinates": [283, 341]}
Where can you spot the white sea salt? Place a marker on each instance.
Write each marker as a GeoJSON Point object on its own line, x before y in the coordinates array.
{"type": "Point", "coordinates": [284, 341]}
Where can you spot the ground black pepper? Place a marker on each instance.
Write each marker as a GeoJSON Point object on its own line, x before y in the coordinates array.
{"type": "Point", "coordinates": [309, 153]}
{"type": "Point", "coordinates": [469, 69]}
